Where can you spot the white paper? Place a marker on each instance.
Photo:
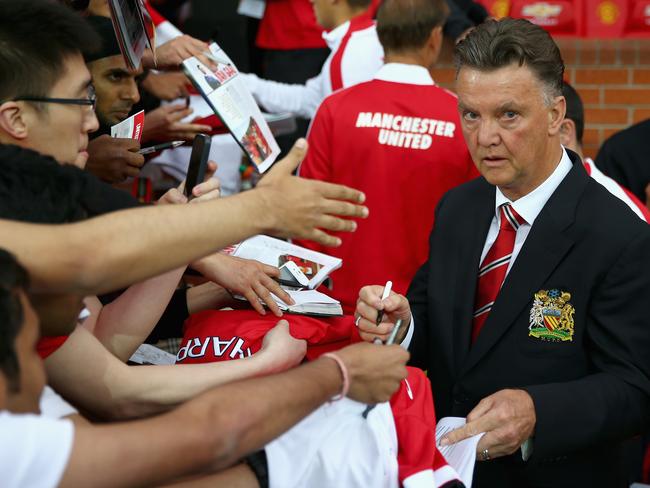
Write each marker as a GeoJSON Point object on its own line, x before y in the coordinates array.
{"type": "Point", "coordinates": [275, 252]}
{"type": "Point", "coordinates": [252, 8]}
{"type": "Point", "coordinates": [229, 98]}
{"type": "Point", "coordinates": [129, 128]}
{"type": "Point", "coordinates": [148, 354]}
{"type": "Point", "coordinates": [462, 455]}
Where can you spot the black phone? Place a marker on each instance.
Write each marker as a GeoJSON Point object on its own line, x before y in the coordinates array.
{"type": "Point", "coordinates": [198, 162]}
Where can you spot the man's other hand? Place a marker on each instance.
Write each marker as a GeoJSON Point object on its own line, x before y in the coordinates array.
{"type": "Point", "coordinates": [307, 209]}
{"type": "Point", "coordinates": [280, 350]}
{"type": "Point", "coordinates": [164, 124]}
{"type": "Point", "coordinates": [374, 371]}
{"type": "Point", "coordinates": [171, 54]}
{"type": "Point", "coordinates": [251, 279]}
{"type": "Point", "coordinates": [167, 86]}
{"type": "Point", "coordinates": [114, 160]}
{"type": "Point", "coordinates": [507, 417]}
{"type": "Point", "coordinates": [210, 189]}
{"type": "Point", "coordinates": [395, 307]}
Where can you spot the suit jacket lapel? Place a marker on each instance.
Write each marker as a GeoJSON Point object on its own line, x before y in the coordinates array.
{"type": "Point", "coordinates": [546, 245]}
{"type": "Point", "coordinates": [476, 227]}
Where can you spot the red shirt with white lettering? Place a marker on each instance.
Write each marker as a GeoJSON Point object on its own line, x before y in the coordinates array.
{"type": "Point", "coordinates": [402, 145]}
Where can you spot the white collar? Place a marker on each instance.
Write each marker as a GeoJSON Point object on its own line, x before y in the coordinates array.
{"type": "Point", "coordinates": [404, 73]}
{"type": "Point", "coordinates": [333, 38]}
{"type": "Point", "coordinates": [529, 206]}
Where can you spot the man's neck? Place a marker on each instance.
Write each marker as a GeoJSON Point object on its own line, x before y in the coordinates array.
{"type": "Point", "coordinates": [346, 13]}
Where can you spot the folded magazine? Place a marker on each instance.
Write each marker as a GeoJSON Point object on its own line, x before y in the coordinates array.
{"type": "Point", "coordinates": [234, 105]}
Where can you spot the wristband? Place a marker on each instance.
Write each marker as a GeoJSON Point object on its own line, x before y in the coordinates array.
{"type": "Point", "coordinates": [344, 373]}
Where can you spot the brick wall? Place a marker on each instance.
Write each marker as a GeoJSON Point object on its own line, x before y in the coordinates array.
{"type": "Point", "coordinates": [612, 77]}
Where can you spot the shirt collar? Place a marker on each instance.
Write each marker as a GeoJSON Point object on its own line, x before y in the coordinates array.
{"type": "Point", "coordinates": [404, 73]}
{"type": "Point", "coordinates": [529, 206]}
{"type": "Point", "coordinates": [334, 37]}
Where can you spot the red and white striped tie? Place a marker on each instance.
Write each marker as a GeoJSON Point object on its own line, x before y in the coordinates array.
{"type": "Point", "coordinates": [492, 271]}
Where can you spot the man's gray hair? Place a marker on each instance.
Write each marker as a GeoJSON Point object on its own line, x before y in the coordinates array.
{"type": "Point", "coordinates": [497, 44]}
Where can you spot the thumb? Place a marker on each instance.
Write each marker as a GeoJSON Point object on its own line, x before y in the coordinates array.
{"type": "Point", "coordinates": [290, 162]}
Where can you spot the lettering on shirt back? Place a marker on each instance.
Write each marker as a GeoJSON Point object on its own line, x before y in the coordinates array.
{"type": "Point", "coordinates": [196, 347]}
{"type": "Point", "coordinates": [403, 131]}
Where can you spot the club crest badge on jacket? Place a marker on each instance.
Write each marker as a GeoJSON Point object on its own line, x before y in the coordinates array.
{"type": "Point", "coordinates": [551, 317]}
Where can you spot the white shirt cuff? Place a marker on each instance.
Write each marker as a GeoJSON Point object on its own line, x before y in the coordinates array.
{"type": "Point", "coordinates": [409, 335]}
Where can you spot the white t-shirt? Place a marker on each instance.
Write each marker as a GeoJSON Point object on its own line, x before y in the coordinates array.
{"type": "Point", "coordinates": [34, 451]}
{"type": "Point", "coordinates": [53, 405]}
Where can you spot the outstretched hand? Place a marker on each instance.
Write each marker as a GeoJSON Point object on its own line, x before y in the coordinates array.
{"type": "Point", "coordinates": [309, 209]}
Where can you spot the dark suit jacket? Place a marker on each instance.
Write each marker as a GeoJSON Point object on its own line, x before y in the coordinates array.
{"type": "Point", "coordinates": [590, 393]}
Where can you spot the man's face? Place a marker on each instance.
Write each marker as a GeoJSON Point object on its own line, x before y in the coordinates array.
{"type": "Point", "coordinates": [32, 373]}
{"type": "Point", "coordinates": [59, 130]}
{"type": "Point", "coordinates": [323, 9]}
{"type": "Point", "coordinates": [116, 88]}
{"type": "Point", "coordinates": [510, 131]}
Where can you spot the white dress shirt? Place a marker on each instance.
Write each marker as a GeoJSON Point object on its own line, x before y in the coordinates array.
{"type": "Point", "coordinates": [362, 57]}
{"type": "Point", "coordinates": [528, 207]}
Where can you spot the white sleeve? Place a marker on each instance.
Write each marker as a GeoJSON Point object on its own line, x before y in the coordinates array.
{"type": "Point", "coordinates": [275, 97]}
{"type": "Point", "coordinates": [409, 334]}
{"type": "Point", "coordinates": [34, 451]}
{"type": "Point", "coordinates": [53, 405]}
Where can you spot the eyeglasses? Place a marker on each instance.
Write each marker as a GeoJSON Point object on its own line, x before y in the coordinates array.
{"type": "Point", "coordinates": [91, 101]}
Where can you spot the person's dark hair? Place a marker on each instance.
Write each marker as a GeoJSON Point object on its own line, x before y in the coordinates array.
{"type": "Point", "coordinates": [405, 25]}
{"type": "Point", "coordinates": [109, 45]}
{"type": "Point", "coordinates": [574, 109]}
{"type": "Point", "coordinates": [35, 188]}
{"type": "Point", "coordinates": [355, 4]}
{"type": "Point", "coordinates": [36, 36]}
{"type": "Point", "coordinates": [497, 44]}
{"type": "Point", "coordinates": [13, 278]}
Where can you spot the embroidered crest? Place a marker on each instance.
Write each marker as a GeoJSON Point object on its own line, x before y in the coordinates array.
{"type": "Point", "coordinates": [551, 317]}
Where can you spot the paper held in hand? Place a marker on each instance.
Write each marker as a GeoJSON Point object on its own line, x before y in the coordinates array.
{"type": "Point", "coordinates": [462, 455]}
{"type": "Point", "coordinates": [316, 266]}
{"type": "Point", "coordinates": [130, 128]}
{"type": "Point", "coordinates": [234, 105]}
{"type": "Point", "coordinates": [310, 302]}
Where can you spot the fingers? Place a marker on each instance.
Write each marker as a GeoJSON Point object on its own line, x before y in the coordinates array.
{"type": "Point", "coordinates": [252, 298]}
{"type": "Point", "coordinates": [329, 222]}
{"type": "Point", "coordinates": [210, 170]}
{"type": "Point", "coordinates": [344, 209]}
{"type": "Point", "coordinates": [291, 161]}
{"type": "Point", "coordinates": [323, 238]}
{"type": "Point", "coordinates": [271, 271]}
{"type": "Point", "coordinates": [338, 192]}
{"type": "Point", "coordinates": [275, 288]}
{"type": "Point", "coordinates": [265, 295]}
{"type": "Point", "coordinates": [131, 171]}
{"type": "Point", "coordinates": [480, 410]}
{"type": "Point", "coordinates": [208, 190]}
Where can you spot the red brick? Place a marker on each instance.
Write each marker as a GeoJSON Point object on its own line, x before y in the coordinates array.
{"type": "Point", "coordinates": [608, 54]}
{"type": "Point", "coordinates": [607, 133]}
{"type": "Point", "coordinates": [606, 115]}
{"type": "Point", "coordinates": [590, 150]}
{"type": "Point", "coordinates": [641, 76]}
{"type": "Point", "coordinates": [590, 96]}
{"type": "Point", "coordinates": [569, 75]}
{"type": "Point", "coordinates": [591, 136]}
{"type": "Point", "coordinates": [603, 76]}
{"type": "Point", "coordinates": [569, 54]}
{"type": "Point", "coordinates": [444, 75]}
{"type": "Point", "coordinates": [644, 54]}
{"type": "Point", "coordinates": [627, 96]}
{"type": "Point", "coordinates": [588, 56]}
{"type": "Point", "coordinates": [641, 114]}
{"type": "Point", "coordinates": [629, 53]}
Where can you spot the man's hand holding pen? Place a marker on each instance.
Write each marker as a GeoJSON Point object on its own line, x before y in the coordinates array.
{"type": "Point", "coordinates": [392, 308]}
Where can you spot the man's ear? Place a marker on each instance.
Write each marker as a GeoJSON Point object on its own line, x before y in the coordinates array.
{"type": "Point", "coordinates": [556, 114]}
{"type": "Point", "coordinates": [434, 44]}
{"type": "Point", "coordinates": [568, 133]}
{"type": "Point", "coordinates": [12, 120]}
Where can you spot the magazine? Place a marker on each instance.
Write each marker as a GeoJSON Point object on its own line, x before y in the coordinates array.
{"type": "Point", "coordinates": [316, 266]}
{"type": "Point", "coordinates": [310, 302]}
{"type": "Point", "coordinates": [130, 128]}
{"type": "Point", "coordinates": [133, 29]}
{"type": "Point", "coordinates": [234, 105]}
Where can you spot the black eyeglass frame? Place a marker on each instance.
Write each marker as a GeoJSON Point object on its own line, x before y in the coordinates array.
{"type": "Point", "coordinates": [91, 101]}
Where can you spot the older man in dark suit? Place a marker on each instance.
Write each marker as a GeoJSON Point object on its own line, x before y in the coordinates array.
{"type": "Point", "coordinates": [531, 312]}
